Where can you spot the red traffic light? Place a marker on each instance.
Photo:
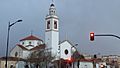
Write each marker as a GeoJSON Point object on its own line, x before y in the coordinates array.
{"type": "Point", "coordinates": [92, 36]}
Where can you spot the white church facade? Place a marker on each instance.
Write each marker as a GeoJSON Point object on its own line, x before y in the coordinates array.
{"type": "Point", "coordinates": [60, 50]}
{"type": "Point", "coordinates": [28, 44]}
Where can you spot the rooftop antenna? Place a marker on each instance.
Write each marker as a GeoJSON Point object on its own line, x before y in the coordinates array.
{"type": "Point", "coordinates": [66, 38]}
{"type": "Point", "coordinates": [31, 32]}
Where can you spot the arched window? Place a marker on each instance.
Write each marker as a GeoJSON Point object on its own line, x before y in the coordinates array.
{"type": "Point", "coordinates": [48, 24]}
{"type": "Point", "coordinates": [38, 43]}
{"type": "Point", "coordinates": [26, 66]}
{"type": "Point", "coordinates": [22, 43]}
{"type": "Point", "coordinates": [66, 51]}
{"type": "Point", "coordinates": [11, 66]}
{"type": "Point", "coordinates": [55, 24]}
{"type": "Point", "coordinates": [30, 43]}
{"type": "Point", "coordinates": [16, 54]}
{"type": "Point", "coordinates": [37, 65]}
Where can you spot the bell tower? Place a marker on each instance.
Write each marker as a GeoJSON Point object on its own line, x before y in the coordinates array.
{"type": "Point", "coordinates": [52, 30]}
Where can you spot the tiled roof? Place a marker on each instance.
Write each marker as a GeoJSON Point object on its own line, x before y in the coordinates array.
{"type": "Point", "coordinates": [37, 59]}
{"type": "Point", "coordinates": [21, 46]}
{"type": "Point", "coordinates": [31, 37]}
{"type": "Point", "coordinates": [66, 41]}
{"type": "Point", "coordinates": [87, 60]}
{"type": "Point", "coordinates": [42, 46]}
{"type": "Point", "coordinates": [11, 58]}
{"type": "Point", "coordinates": [90, 60]}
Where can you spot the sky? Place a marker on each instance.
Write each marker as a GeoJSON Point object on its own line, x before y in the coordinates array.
{"type": "Point", "coordinates": [77, 18]}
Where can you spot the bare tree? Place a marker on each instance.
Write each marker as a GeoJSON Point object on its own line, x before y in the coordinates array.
{"type": "Point", "coordinates": [40, 58]}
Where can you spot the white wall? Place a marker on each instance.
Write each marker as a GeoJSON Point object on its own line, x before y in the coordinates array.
{"type": "Point", "coordinates": [33, 42]}
{"type": "Point", "coordinates": [21, 53]}
{"type": "Point", "coordinates": [52, 36]}
{"type": "Point", "coordinates": [26, 54]}
{"type": "Point", "coordinates": [18, 50]}
{"type": "Point", "coordinates": [63, 46]}
{"type": "Point", "coordinates": [101, 63]}
{"type": "Point", "coordinates": [20, 64]}
{"type": "Point", "coordinates": [84, 64]}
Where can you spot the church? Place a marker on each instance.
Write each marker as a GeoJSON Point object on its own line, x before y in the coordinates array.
{"type": "Point", "coordinates": [61, 50]}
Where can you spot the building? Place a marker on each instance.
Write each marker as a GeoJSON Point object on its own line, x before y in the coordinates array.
{"type": "Point", "coordinates": [52, 30]}
{"type": "Point", "coordinates": [60, 50]}
{"type": "Point", "coordinates": [26, 46]}
{"type": "Point", "coordinates": [12, 61]}
{"type": "Point", "coordinates": [85, 63]}
{"type": "Point", "coordinates": [112, 60]}
{"type": "Point", "coordinates": [31, 43]}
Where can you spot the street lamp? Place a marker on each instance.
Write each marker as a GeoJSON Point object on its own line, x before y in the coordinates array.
{"type": "Point", "coordinates": [9, 25]}
{"type": "Point", "coordinates": [74, 46]}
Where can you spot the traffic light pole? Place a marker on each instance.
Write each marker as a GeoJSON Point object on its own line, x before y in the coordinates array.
{"type": "Point", "coordinates": [92, 35]}
{"type": "Point", "coordinates": [108, 35]}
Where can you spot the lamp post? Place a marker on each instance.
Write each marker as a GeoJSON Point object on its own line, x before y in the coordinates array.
{"type": "Point", "coordinates": [9, 25]}
{"type": "Point", "coordinates": [74, 46]}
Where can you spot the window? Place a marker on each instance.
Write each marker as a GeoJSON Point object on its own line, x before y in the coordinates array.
{"type": "Point", "coordinates": [22, 43]}
{"type": "Point", "coordinates": [48, 24]}
{"type": "Point", "coordinates": [29, 43]}
{"type": "Point", "coordinates": [11, 66]}
{"type": "Point", "coordinates": [66, 51]}
{"type": "Point", "coordinates": [26, 66]}
{"type": "Point", "coordinates": [37, 65]}
{"type": "Point", "coordinates": [55, 24]}
{"type": "Point", "coordinates": [38, 43]}
{"type": "Point", "coordinates": [16, 54]}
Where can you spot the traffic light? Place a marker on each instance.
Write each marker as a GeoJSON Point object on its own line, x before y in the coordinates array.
{"type": "Point", "coordinates": [92, 36]}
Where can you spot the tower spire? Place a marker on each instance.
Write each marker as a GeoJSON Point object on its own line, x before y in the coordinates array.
{"type": "Point", "coordinates": [52, 9]}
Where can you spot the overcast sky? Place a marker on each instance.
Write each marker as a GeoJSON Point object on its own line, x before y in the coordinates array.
{"type": "Point", "coordinates": [77, 19]}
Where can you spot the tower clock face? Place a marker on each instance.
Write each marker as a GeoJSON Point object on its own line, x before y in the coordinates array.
{"type": "Point", "coordinates": [66, 51]}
